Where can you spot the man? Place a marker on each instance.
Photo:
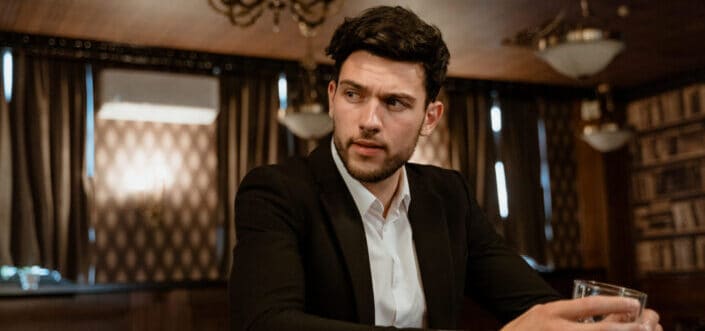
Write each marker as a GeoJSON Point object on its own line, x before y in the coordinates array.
{"type": "Point", "coordinates": [354, 238]}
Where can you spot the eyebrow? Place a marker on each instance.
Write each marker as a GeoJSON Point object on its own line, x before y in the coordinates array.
{"type": "Point", "coordinates": [402, 96]}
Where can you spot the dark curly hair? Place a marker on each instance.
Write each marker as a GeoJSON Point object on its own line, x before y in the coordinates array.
{"type": "Point", "coordinates": [397, 34]}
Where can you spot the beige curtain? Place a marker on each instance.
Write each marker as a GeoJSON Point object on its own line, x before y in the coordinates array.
{"type": "Point", "coordinates": [48, 219]}
{"type": "Point", "coordinates": [249, 135]}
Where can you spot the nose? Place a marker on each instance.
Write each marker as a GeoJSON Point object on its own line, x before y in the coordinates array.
{"type": "Point", "coordinates": [370, 118]}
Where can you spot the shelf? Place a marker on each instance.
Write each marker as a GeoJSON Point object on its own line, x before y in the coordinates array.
{"type": "Point", "coordinates": [672, 272]}
{"type": "Point", "coordinates": [666, 126]}
{"type": "Point", "coordinates": [665, 234]}
{"type": "Point", "coordinates": [671, 197]}
{"type": "Point", "coordinates": [673, 160]}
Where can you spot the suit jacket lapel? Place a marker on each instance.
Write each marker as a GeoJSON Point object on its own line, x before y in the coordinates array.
{"type": "Point", "coordinates": [431, 239]}
{"type": "Point", "coordinates": [348, 228]}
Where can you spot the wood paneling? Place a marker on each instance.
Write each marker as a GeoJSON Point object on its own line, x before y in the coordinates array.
{"type": "Point", "coordinates": [663, 37]}
{"type": "Point", "coordinates": [177, 310]}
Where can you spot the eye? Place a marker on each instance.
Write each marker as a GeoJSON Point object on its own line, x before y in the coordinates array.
{"type": "Point", "coordinates": [352, 95]}
{"type": "Point", "coordinates": [395, 104]}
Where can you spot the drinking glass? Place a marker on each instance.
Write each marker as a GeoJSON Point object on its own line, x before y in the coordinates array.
{"type": "Point", "coordinates": [586, 288]}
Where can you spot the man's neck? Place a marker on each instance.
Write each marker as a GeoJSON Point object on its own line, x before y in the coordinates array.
{"type": "Point", "coordinates": [385, 189]}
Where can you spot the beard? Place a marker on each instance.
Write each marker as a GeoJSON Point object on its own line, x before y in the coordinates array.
{"type": "Point", "coordinates": [389, 165]}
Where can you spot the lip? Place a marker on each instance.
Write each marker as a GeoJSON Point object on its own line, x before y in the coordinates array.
{"type": "Point", "coordinates": [367, 147]}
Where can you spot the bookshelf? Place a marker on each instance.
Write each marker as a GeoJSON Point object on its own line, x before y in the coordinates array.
{"type": "Point", "coordinates": [668, 181]}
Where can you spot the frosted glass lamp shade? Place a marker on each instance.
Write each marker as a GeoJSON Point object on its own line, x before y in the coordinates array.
{"type": "Point", "coordinates": [578, 59]}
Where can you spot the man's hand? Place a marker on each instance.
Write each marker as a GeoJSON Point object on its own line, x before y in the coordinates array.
{"type": "Point", "coordinates": [566, 315]}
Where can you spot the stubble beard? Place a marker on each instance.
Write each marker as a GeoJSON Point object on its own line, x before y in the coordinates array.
{"type": "Point", "coordinates": [389, 165]}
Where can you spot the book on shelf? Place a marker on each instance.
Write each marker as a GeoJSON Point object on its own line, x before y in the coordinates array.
{"type": "Point", "coordinates": [683, 178]}
{"type": "Point", "coordinates": [643, 186]}
{"type": "Point", "coordinates": [666, 254]}
{"type": "Point", "coordinates": [700, 252]}
{"type": "Point", "coordinates": [683, 216]}
{"type": "Point", "coordinates": [654, 111]}
{"type": "Point", "coordinates": [672, 106]}
{"type": "Point", "coordinates": [634, 119]}
{"type": "Point", "coordinates": [683, 253]}
{"type": "Point", "coordinates": [694, 100]}
{"type": "Point", "coordinates": [648, 150]}
{"type": "Point", "coordinates": [699, 211]}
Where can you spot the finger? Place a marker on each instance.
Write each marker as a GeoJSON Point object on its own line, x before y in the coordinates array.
{"type": "Point", "coordinates": [595, 305]}
{"type": "Point", "coordinates": [649, 316]}
{"type": "Point", "coordinates": [625, 317]}
{"type": "Point", "coordinates": [605, 325]}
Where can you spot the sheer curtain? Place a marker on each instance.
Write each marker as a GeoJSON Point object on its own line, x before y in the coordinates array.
{"type": "Point", "coordinates": [47, 221]}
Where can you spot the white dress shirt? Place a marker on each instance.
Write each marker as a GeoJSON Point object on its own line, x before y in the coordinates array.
{"type": "Point", "coordinates": [396, 281]}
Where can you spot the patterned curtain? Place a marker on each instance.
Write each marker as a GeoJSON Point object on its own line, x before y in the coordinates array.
{"type": "Point", "coordinates": [47, 218]}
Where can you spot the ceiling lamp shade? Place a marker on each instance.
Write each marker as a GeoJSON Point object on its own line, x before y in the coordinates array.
{"type": "Point", "coordinates": [309, 122]}
{"type": "Point", "coordinates": [578, 49]}
{"type": "Point", "coordinates": [606, 138]}
{"type": "Point", "coordinates": [601, 130]}
{"type": "Point", "coordinates": [581, 52]}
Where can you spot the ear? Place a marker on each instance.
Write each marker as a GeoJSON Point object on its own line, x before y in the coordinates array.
{"type": "Point", "coordinates": [332, 87]}
{"type": "Point", "coordinates": [434, 111]}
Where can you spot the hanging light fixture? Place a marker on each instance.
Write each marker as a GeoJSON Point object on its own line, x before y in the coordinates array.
{"type": "Point", "coordinates": [308, 120]}
{"type": "Point", "coordinates": [575, 49]}
{"type": "Point", "coordinates": [601, 129]}
{"type": "Point", "coordinates": [309, 14]}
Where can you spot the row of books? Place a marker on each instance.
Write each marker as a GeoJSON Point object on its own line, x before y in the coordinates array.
{"type": "Point", "coordinates": [665, 218]}
{"type": "Point", "coordinates": [663, 183]}
{"type": "Point", "coordinates": [671, 218]}
{"type": "Point", "coordinates": [673, 144]}
{"type": "Point", "coordinates": [669, 107]}
{"type": "Point", "coordinates": [681, 254]}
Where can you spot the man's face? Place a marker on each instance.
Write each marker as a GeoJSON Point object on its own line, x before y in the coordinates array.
{"type": "Point", "coordinates": [378, 112]}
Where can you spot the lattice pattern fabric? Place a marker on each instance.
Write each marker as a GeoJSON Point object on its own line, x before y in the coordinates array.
{"type": "Point", "coordinates": [565, 246]}
{"type": "Point", "coordinates": [156, 202]}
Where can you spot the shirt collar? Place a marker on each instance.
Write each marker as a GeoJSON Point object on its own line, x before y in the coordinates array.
{"type": "Point", "coordinates": [364, 199]}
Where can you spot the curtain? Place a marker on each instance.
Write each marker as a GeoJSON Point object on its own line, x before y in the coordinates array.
{"type": "Point", "coordinates": [470, 141]}
{"type": "Point", "coordinates": [48, 217]}
{"type": "Point", "coordinates": [474, 149]}
{"type": "Point", "coordinates": [6, 179]}
{"type": "Point", "coordinates": [248, 135]}
{"type": "Point", "coordinates": [518, 149]}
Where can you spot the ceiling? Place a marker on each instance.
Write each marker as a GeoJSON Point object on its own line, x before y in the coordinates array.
{"type": "Point", "coordinates": [663, 38]}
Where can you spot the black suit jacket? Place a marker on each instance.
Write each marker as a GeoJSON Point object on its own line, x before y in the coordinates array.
{"type": "Point", "coordinates": [301, 259]}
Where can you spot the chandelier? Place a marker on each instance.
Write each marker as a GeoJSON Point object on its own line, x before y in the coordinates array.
{"type": "Point", "coordinates": [576, 49]}
{"type": "Point", "coordinates": [309, 14]}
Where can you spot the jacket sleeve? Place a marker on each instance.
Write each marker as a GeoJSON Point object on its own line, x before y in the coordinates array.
{"type": "Point", "coordinates": [497, 277]}
{"type": "Point", "coordinates": [267, 279]}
